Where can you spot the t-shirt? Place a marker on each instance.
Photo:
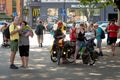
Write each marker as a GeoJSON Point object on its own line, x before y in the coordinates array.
{"type": "Point", "coordinates": [115, 28]}
{"type": "Point", "coordinates": [57, 33]}
{"type": "Point", "coordinates": [16, 35]}
{"type": "Point", "coordinates": [23, 39]}
{"type": "Point", "coordinates": [73, 35]}
{"type": "Point", "coordinates": [98, 31]}
{"type": "Point", "coordinates": [41, 28]}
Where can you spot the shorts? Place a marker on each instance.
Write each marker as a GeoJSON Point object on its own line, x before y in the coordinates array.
{"type": "Point", "coordinates": [24, 50]}
{"type": "Point", "coordinates": [14, 45]}
{"type": "Point", "coordinates": [112, 40]}
{"type": "Point", "coordinates": [99, 43]}
{"type": "Point", "coordinates": [80, 44]}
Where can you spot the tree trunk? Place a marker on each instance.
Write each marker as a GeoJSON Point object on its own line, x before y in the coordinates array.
{"type": "Point", "coordinates": [118, 17]}
{"type": "Point", "coordinates": [119, 25]}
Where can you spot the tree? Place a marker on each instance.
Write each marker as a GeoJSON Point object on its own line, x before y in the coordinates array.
{"type": "Point", "coordinates": [104, 4]}
{"type": "Point", "coordinates": [117, 2]}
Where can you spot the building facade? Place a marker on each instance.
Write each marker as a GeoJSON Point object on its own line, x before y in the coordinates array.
{"type": "Point", "coordinates": [65, 10]}
{"type": "Point", "coordinates": [11, 7]}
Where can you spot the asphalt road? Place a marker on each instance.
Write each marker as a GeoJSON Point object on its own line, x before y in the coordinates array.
{"type": "Point", "coordinates": [42, 68]}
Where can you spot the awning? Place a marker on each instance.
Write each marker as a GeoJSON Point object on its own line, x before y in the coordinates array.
{"type": "Point", "coordinates": [4, 16]}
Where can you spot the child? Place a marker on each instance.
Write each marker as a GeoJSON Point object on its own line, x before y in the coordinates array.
{"type": "Point", "coordinates": [27, 30]}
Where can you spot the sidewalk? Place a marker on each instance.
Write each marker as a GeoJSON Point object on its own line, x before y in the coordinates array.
{"type": "Point", "coordinates": [42, 68]}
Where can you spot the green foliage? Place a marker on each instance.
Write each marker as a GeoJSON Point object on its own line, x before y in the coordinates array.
{"type": "Point", "coordinates": [104, 4]}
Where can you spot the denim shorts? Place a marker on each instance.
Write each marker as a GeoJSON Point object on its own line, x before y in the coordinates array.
{"type": "Point", "coordinates": [80, 44]}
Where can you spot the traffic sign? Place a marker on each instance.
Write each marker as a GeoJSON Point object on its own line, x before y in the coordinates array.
{"type": "Point", "coordinates": [15, 14]}
{"type": "Point", "coordinates": [25, 11]}
{"type": "Point", "coordinates": [62, 11]}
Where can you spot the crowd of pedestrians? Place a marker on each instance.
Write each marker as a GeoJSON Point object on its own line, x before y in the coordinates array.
{"type": "Point", "coordinates": [19, 38]}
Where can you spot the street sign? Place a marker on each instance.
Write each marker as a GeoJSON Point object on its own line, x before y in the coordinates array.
{"type": "Point", "coordinates": [15, 14]}
{"type": "Point", "coordinates": [62, 11]}
{"type": "Point", "coordinates": [35, 12]}
{"type": "Point", "coordinates": [25, 11]}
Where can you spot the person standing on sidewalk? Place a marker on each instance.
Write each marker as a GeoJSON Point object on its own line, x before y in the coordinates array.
{"type": "Point", "coordinates": [73, 33]}
{"type": "Point", "coordinates": [40, 29]}
{"type": "Point", "coordinates": [113, 31]}
{"type": "Point", "coordinates": [24, 45]}
{"type": "Point", "coordinates": [99, 40]}
{"type": "Point", "coordinates": [14, 37]}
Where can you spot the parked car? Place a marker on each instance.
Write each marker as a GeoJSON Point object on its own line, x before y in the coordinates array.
{"type": "Point", "coordinates": [101, 22]}
{"type": "Point", "coordinates": [49, 27]}
{"type": "Point", "coordinates": [103, 26]}
{"type": "Point", "coordinates": [69, 25]}
{"type": "Point", "coordinates": [2, 23]}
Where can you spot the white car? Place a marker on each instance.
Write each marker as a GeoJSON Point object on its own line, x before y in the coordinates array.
{"type": "Point", "coordinates": [103, 26]}
{"type": "Point", "coordinates": [2, 23]}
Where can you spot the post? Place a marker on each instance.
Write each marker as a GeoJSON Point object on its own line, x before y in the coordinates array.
{"type": "Point", "coordinates": [118, 17]}
{"type": "Point", "coordinates": [64, 9]}
{"type": "Point", "coordinates": [21, 8]}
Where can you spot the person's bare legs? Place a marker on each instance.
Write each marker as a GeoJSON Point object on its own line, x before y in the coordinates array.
{"type": "Point", "coordinates": [113, 48]}
{"type": "Point", "coordinates": [76, 52]}
{"type": "Point", "coordinates": [12, 57]}
{"type": "Point", "coordinates": [26, 62]}
{"type": "Point", "coordinates": [23, 62]}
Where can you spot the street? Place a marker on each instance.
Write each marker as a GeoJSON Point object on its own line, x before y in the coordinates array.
{"type": "Point", "coordinates": [42, 68]}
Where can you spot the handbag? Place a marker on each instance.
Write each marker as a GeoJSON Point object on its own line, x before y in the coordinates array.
{"type": "Point", "coordinates": [37, 31]}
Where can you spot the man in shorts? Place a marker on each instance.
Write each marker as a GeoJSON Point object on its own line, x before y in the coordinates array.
{"type": "Point", "coordinates": [113, 30]}
{"type": "Point", "coordinates": [14, 37]}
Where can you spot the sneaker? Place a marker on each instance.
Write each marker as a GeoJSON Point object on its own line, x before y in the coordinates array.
{"type": "Point", "coordinates": [41, 45]}
{"type": "Point", "coordinates": [12, 66]}
{"type": "Point", "coordinates": [113, 54]}
{"type": "Point", "coordinates": [100, 53]}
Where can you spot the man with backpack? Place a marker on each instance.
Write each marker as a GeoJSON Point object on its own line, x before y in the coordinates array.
{"type": "Point", "coordinates": [40, 30]}
{"type": "Point", "coordinates": [99, 33]}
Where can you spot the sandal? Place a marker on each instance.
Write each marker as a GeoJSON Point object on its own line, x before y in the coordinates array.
{"type": "Point", "coordinates": [22, 66]}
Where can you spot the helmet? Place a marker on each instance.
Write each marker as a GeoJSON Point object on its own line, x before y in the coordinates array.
{"type": "Point", "coordinates": [60, 24]}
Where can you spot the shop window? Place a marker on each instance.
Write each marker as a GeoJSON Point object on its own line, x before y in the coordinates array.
{"type": "Point", "coordinates": [52, 15]}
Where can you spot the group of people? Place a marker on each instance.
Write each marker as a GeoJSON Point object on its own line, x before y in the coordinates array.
{"type": "Point", "coordinates": [77, 35]}
{"type": "Point", "coordinates": [19, 39]}
{"type": "Point", "coordinates": [19, 32]}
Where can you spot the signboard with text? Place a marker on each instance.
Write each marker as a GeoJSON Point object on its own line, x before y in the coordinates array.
{"type": "Point", "coordinates": [35, 12]}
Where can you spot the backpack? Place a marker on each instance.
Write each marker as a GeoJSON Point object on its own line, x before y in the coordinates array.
{"type": "Point", "coordinates": [7, 33]}
{"type": "Point", "coordinates": [102, 36]}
